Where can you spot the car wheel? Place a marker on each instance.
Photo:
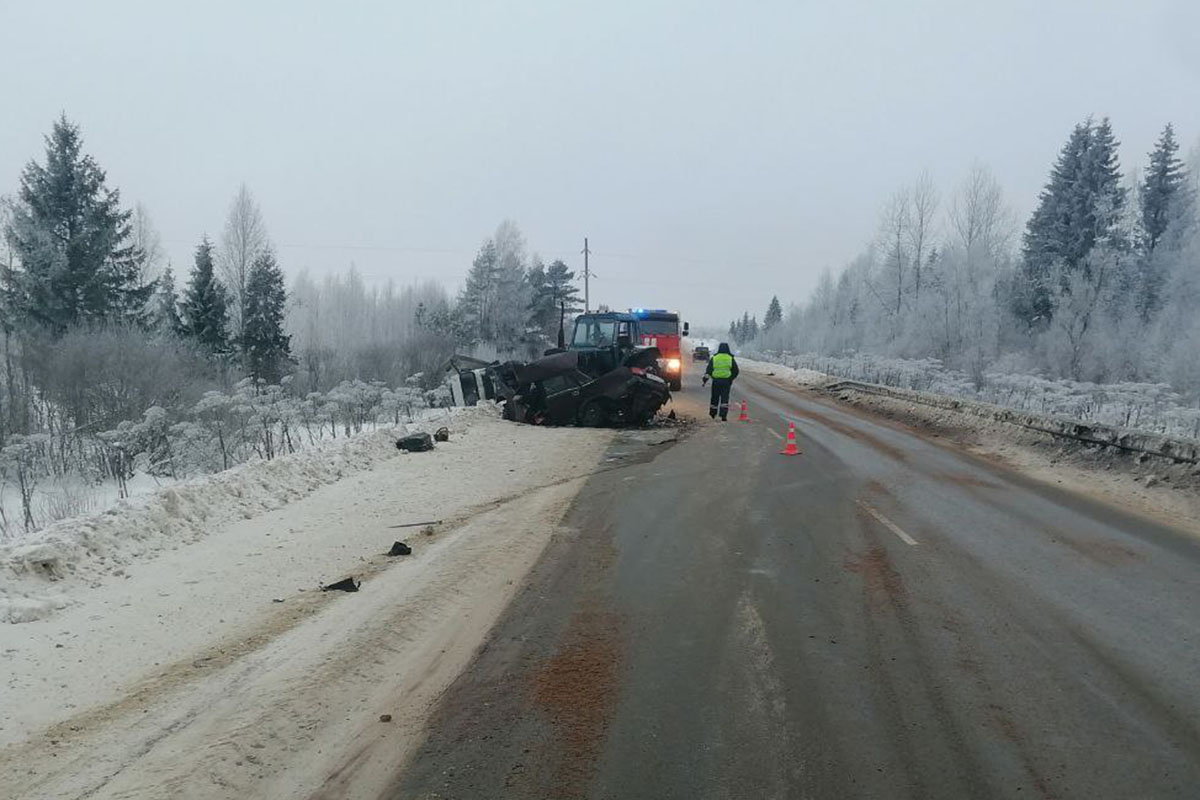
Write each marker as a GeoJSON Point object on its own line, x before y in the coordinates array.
{"type": "Point", "coordinates": [593, 414]}
{"type": "Point", "coordinates": [676, 384]}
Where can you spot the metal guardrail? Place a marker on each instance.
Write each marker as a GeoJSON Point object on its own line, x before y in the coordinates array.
{"type": "Point", "coordinates": [1179, 451]}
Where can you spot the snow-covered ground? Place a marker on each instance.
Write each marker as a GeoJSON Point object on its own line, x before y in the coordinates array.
{"type": "Point", "coordinates": [43, 570]}
{"type": "Point", "coordinates": [179, 642]}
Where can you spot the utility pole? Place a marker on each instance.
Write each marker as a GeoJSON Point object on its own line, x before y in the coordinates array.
{"type": "Point", "coordinates": [586, 275]}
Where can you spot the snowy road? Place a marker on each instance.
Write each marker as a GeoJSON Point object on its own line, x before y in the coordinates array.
{"type": "Point", "coordinates": [882, 617]}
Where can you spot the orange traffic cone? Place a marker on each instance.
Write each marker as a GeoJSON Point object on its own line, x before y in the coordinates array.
{"type": "Point", "coordinates": [791, 449]}
{"type": "Point", "coordinates": [743, 417]}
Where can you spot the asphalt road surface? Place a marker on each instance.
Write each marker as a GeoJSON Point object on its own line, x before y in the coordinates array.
{"type": "Point", "coordinates": [880, 617]}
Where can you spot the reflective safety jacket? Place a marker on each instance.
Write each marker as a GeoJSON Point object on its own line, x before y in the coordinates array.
{"type": "Point", "coordinates": [722, 365]}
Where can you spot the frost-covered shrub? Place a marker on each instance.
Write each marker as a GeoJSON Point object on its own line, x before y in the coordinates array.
{"type": "Point", "coordinates": [1153, 407]}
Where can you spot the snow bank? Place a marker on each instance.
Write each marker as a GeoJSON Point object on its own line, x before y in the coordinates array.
{"type": "Point", "coordinates": [88, 548]}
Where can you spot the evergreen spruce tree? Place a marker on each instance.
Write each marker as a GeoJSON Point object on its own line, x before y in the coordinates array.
{"type": "Point", "coordinates": [1080, 206]}
{"type": "Point", "coordinates": [205, 306]}
{"type": "Point", "coordinates": [733, 331]}
{"type": "Point", "coordinates": [1164, 178]}
{"type": "Point", "coordinates": [265, 348]}
{"type": "Point", "coordinates": [774, 314]}
{"type": "Point", "coordinates": [476, 302]}
{"type": "Point", "coordinates": [77, 260]}
{"type": "Point", "coordinates": [164, 306]}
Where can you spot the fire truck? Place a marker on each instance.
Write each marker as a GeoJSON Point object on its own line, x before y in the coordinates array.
{"type": "Point", "coordinates": [600, 335]}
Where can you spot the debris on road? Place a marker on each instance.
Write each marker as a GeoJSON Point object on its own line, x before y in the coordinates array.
{"type": "Point", "coordinates": [344, 585]}
{"type": "Point", "coordinates": [385, 717]}
{"type": "Point", "coordinates": [441, 435]}
{"type": "Point", "coordinates": [400, 549]}
{"type": "Point", "coordinates": [416, 524]}
{"type": "Point", "coordinates": [415, 443]}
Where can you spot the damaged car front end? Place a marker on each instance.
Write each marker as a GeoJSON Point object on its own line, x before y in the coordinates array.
{"type": "Point", "coordinates": [554, 391]}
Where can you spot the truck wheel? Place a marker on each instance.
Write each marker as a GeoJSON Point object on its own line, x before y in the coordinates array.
{"type": "Point", "coordinates": [594, 414]}
{"type": "Point", "coordinates": [676, 384]}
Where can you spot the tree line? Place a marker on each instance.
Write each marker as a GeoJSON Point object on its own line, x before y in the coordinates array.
{"type": "Point", "coordinates": [1102, 285]}
{"type": "Point", "coordinates": [108, 363]}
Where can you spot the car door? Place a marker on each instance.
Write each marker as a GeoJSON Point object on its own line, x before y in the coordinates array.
{"type": "Point", "coordinates": [562, 398]}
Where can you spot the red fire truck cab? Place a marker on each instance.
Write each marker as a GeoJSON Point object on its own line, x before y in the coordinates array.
{"type": "Point", "coordinates": [657, 327]}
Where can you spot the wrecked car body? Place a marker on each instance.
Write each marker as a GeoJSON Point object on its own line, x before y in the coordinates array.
{"type": "Point", "coordinates": [554, 391]}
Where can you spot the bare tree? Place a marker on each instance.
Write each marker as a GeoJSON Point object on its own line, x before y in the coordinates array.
{"type": "Point", "coordinates": [243, 240]}
{"type": "Point", "coordinates": [147, 240]}
{"type": "Point", "coordinates": [895, 241]}
{"type": "Point", "coordinates": [923, 202]}
{"type": "Point", "coordinates": [981, 221]}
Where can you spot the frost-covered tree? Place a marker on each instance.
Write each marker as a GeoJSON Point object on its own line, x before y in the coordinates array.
{"type": "Point", "coordinates": [164, 305]}
{"type": "Point", "coordinates": [1081, 204]}
{"type": "Point", "coordinates": [265, 347]}
{"type": "Point", "coordinates": [205, 313]}
{"type": "Point", "coordinates": [243, 240]}
{"type": "Point", "coordinates": [774, 314]}
{"type": "Point", "coordinates": [512, 297]}
{"type": "Point", "coordinates": [1164, 178]}
{"type": "Point", "coordinates": [477, 301]}
{"type": "Point", "coordinates": [76, 262]}
{"type": "Point", "coordinates": [146, 239]}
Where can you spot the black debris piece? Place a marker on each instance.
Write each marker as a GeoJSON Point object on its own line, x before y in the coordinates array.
{"type": "Point", "coordinates": [400, 549]}
{"type": "Point", "coordinates": [416, 443]}
{"type": "Point", "coordinates": [441, 435]}
{"type": "Point", "coordinates": [671, 415]}
{"type": "Point", "coordinates": [344, 585]}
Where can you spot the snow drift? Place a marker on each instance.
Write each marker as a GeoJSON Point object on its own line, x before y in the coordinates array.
{"type": "Point", "coordinates": [89, 548]}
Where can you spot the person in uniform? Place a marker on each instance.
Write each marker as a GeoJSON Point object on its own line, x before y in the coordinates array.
{"type": "Point", "coordinates": [723, 369]}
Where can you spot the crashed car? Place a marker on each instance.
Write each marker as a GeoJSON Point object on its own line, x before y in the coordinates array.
{"type": "Point", "coordinates": [554, 391]}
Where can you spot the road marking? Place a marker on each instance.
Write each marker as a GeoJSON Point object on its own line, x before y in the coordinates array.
{"type": "Point", "coordinates": [887, 523]}
{"type": "Point", "coordinates": [776, 434]}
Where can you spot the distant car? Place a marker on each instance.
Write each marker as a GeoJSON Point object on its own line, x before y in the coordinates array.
{"type": "Point", "coordinates": [700, 353]}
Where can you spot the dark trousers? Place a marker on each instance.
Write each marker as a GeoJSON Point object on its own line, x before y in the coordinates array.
{"type": "Point", "coordinates": [719, 404]}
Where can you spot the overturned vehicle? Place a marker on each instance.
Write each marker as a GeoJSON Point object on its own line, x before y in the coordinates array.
{"type": "Point", "coordinates": [554, 390]}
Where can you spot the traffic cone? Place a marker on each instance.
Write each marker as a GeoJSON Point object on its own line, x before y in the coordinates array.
{"type": "Point", "coordinates": [791, 449]}
{"type": "Point", "coordinates": [743, 417]}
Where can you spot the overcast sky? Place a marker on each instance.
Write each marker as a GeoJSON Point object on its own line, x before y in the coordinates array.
{"type": "Point", "coordinates": [714, 153]}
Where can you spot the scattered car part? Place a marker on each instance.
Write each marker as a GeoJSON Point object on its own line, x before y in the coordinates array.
{"type": "Point", "coordinates": [415, 442]}
{"type": "Point", "coordinates": [400, 549]}
{"type": "Point", "coordinates": [441, 435]}
{"type": "Point", "coordinates": [344, 585]}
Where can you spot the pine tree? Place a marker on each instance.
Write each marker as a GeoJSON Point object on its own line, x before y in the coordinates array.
{"type": "Point", "coordinates": [744, 327]}
{"type": "Point", "coordinates": [205, 306]}
{"type": "Point", "coordinates": [265, 347]}
{"type": "Point", "coordinates": [553, 291]}
{"type": "Point", "coordinates": [1080, 207]}
{"type": "Point", "coordinates": [164, 306]}
{"type": "Point", "coordinates": [752, 329]}
{"type": "Point", "coordinates": [73, 241]}
{"type": "Point", "coordinates": [733, 331]}
{"type": "Point", "coordinates": [477, 300]}
{"type": "Point", "coordinates": [774, 314]}
{"type": "Point", "coordinates": [1164, 178]}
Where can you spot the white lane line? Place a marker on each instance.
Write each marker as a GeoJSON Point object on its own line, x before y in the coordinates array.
{"type": "Point", "coordinates": [887, 523]}
{"type": "Point", "coordinates": [776, 434]}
